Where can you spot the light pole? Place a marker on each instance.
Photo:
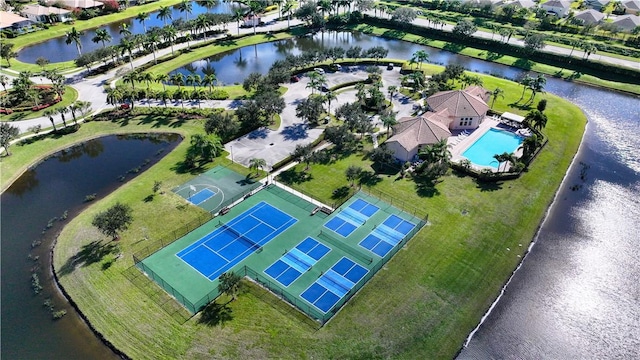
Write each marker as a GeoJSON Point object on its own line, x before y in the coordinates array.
{"type": "Point", "coordinates": [231, 147]}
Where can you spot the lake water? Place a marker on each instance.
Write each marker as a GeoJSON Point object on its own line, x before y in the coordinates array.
{"type": "Point", "coordinates": [57, 185]}
{"type": "Point", "coordinates": [577, 293]}
{"type": "Point", "coordinates": [235, 65]}
{"type": "Point", "coordinates": [51, 49]}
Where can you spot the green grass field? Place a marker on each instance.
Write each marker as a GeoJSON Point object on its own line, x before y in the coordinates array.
{"type": "Point", "coordinates": [424, 301]}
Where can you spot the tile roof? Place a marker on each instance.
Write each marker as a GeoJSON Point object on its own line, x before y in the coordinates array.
{"type": "Point", "coordinates": [427, 128]}
{"type": "Point", "coordinates": [460, 103]}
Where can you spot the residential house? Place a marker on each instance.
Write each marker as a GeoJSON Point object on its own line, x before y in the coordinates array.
{"type": "Point", "coordinates": [631, 6]}
{"type": "Point", "coordinates": [412, 133]}
{"type": "Point", "coordinates": [589, 16]}
{"type": "Point", "coordinates": [558, 7]}
{"type": "Point", "coordinates": [465, 108]}
{"type": "Point", "coordinates": [597, 4]}
{"type": "Point", "coordinates": [627, 22]}
{"type": "Point", "coordinates": [77, 4]}
{"type": "Point", "coordinates": [10, 20]}
{"type": "Point", "coordinates": [526, 4]}
{"type": "Point", "coordinates": [45, 14]}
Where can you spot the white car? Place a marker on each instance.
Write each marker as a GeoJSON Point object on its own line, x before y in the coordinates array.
{"type": "Point", "coordinates": [319, 71]}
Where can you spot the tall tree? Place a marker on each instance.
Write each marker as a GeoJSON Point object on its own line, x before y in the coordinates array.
{"type": "Point", "coordinates": [419, 57]}
{"type": "Point", "coordinates": [497, 92]}
{"type": "Point", "coordinates": [49, 113]}
{"type": "Point", "coordinates": [142, 17]}
{"type": "Point", "coordinates": [8, 132]}
{"type": "Point", "coordinates": [6, 52]}
{"type": "Point", "coordinates": [229, 284]}
{"type": "Point", "coordinates": [164, 14]}
{"type": "Point", "coordinates": [352, 173]}
{"type": "Point", "coordinates": [103, 36]}
{"type": "Point", "coordinates": [256, 164]}
{"type": "Point", "coordinates": [114, 220]}
{"type": "Point", "coordinates": [185, 7]}
{"type": "Point", "coordinates": [73, 36]}
{"type": "Point", "coordinates": [62, 110]}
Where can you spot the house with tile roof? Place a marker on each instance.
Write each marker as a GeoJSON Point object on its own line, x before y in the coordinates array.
{"type": "Point", "coordinates": [597, 4]}
{"type": "Point", "coordinates": [559, 7]}
{"type": "Point", "coordinates": [45, 14]}
{"type": "Point", "coordinates": [631, 6]}
{"type": "Point", "coordinates": [627, 22]}
{"type": "Point", "coordinates": [590, 16]}
{"type": "Point", "coordinates": [448, 111]}
{"type": "Point", "coordinates": [412, 133]}
{"type": "Point", "coordinates": [10, 20]}
{"type": "Point", "coordinates": [77, 4]}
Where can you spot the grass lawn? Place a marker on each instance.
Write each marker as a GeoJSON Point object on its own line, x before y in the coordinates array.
{"type": "Point", "coordinates": [425, 300]}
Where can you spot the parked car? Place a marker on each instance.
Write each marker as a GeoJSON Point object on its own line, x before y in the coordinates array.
{"type": "Point", "coordinates": [390, 66]}
{"type": "Point", "coordinates": [319, 71]}
{"type": "Point", "coordinates": [294, 79]}
{"type": "Point", "coordinates": [125, 106]}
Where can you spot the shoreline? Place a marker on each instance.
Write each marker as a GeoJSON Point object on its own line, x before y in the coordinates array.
{"type": "Point", "coordinates": [533, 242]}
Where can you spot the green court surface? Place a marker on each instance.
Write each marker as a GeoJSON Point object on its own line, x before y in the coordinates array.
{"type": "Point", "coordinates": [216, 188]}
{"type": "Point", "coordinates": [317, 283]}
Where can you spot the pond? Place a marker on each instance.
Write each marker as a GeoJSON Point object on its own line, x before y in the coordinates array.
{"type": "Point", "coordinates": [234, 66]}
{"type": "Point", "coordinates": [54, 189]}
{"type": "Point", "coordinates": [51, 49]}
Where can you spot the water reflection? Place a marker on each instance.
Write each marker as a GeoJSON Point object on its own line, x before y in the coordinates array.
{"type": "Point", "coordinates": [38, 198]}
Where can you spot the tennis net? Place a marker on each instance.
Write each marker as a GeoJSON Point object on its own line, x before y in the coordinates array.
{"type": "Point", "coordinates": [393, 235]}
{"type": "Point", "coordinates": [346, 248]}
{"type": "Point", "coordinates": [240, 236]}
{"type": "Point", "coordinates": [349, 213]}
{"type": "Point", "coordinates": [329, 275]}
{"type": "Point", "coordinates": [298, 259]}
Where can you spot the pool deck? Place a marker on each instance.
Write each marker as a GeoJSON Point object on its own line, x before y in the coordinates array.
{"type": "Point", "coordinates": [458, 145]}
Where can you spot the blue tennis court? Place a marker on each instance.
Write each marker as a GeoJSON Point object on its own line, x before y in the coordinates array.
{"type": "Point", "coordinates": [226, 246]}
{"type": "Point", "coordinates": [334, 284]}
{"type": "Point", "coordinates": [387, 235]}
{"type": "Point", "coordinates": [201, 196]}
{"type": "Point", "coordinates": [297, 261]}
{"type": "Point", "coordinates": [351, 217]}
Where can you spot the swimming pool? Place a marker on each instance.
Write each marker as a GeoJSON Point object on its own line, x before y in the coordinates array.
{"type": "Point", "coordinates": [491, 143]}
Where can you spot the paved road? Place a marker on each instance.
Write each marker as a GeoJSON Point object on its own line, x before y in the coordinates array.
{"type": "Point", "coordinates": [577, 53]}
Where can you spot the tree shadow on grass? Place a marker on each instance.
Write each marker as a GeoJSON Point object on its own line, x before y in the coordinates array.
{"type": "Point", "coordinates": [485, 185]}
{"type": "Point", "coordinates": [454, 48]}
{"type": "Point", "coordinates": [292, 176]}
{"type": "Point", "coordinates": [369, 178]}
{"type": "Point", "coordinates": [394, 34]}
{"type": "Point", "coordinates": [216, 314]}
{"type": "Point", "coordinates": [426, 186]}
{"type": "Point", "coordinates": [341, 192]}
{"type": "Point", "coordinates": [493, 56]}
{"type": "Point", "coordinates": [90, 253]}
{"type": "Point", "coordinates": [523, 64]}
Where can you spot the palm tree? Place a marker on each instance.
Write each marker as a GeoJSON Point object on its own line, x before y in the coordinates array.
{"type": "Point", "coordinates": [420, 56]}
{"type": "Point", "coordinates": [229, 284]}
{"type": "Point", "coordinates": [164, 14]}
{"type": "Point", "coordinates": [62, 110]}
{"type": "Point", "coordinates": [103, 36]}
{"type": "Point", "coordinates": [151, 43]}
{"type": "Point", "coordinates": [49, 113]}
{"type": "Point", "coordinates": [257, 163]}
{"type": "Point", "coordinates": [203, 23]}
{"type": "Point", "coordinates": [238, 14]}
{"type": "Point", "coordinates": [588, 48]}
{"type": "Point", "coordinates": [162, 78]}
{"type": "Point", "coordinates": [73, 36]}
{"type": "Point", "coordinates": [288, 8]}
{"type": "Point", "coordinates": [209, 80]}
{"type": "Point", "coordinates": [536, 119]}
{"type": "Point", "coordinates": [114, 96]}
{"type": "Point", "coordinates": [526, 82]}
{"type": "Point", "coordinates": [193, 79]}
{"type": "Point", "coordinates": [124, 30]}
{"type": "Point", "coordinates": [127, 46]}
{"type": "Point", "coordinates": [388, 119]}
{"type": "Point", "coordinates": [207, 4]}
{"type": "Point", "coordinates": [530, 145]}
{"type": "Point", "coordinates": [185, 6]}
{"type": "Point", "coordinates": [73, 108]}
{"type": "Point", "coordinates": [142, 17]}
{"type": "Point", "coordinates": [169, 34]}
{"type": "Point", "coordinates": [494, 95]}
{"type": "Point", "coordinates": [328, 97]}
{"type": "Point", "coordinates": [177, 79]}
{"type": "Point", "coordinates": [148, 78]}
{"type": "Point", "coordinates": [256, 7]}
{"type": "Point", "coordinates": [131, 77]}
{"type": "Point", "coordinates": [392, 90]}
{"type": "Point", "coordinates": [537, 86]}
